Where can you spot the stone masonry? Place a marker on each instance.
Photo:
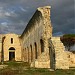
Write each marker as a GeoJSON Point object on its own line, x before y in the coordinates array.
{"type": "Point", "coordinates": [12, 45]}
{"type": "Point", "coordinates": [39, 48]}
{"type": "Point", "coordinates": [36, 44]}
{"type": "Point", "coordinates": [35, 38]}
{"type": "Point", "coordinates": [61, 61]}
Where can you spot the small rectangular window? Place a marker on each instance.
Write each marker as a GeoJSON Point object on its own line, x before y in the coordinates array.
{"type": "Point", "coordinates": [11, 40]}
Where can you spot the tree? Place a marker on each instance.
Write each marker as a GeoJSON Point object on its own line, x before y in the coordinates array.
{"type": "Point", "coordinates": [68, 40]}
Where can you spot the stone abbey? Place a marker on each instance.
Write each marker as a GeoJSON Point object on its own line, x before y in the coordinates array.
{"type": "Point", "coordinates": [36, 45]}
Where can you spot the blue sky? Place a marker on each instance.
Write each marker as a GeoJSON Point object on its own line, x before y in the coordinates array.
{"type": "Point", "coordinates": [15, 14]}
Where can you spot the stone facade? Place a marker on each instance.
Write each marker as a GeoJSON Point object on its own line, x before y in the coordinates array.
{"type": "Point", "coordinates": [36, 44]}
{"type": "Point", "coordinates": [12, 47]}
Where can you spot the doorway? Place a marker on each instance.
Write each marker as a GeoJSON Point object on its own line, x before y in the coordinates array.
{"type": "Point", "coordinates": [11, 56]}
{"type": "Point", "coordinates": [42, 45]}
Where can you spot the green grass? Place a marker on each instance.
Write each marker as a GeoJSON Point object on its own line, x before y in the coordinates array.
{"type": "Point", "coordinates": [16, 68]}
{"type": "Point", "coordinates": [17, 64]}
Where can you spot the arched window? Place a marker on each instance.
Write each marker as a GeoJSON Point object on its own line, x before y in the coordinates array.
{"type": "Point", "coordinates": [11, 40]}
{"type": "Point", "coordinates": [28, 53]}
{"type": "Point", "coordinates": [31, 52]}
{"type": "Point", "coordinates": [35, 45]}
{"type": "Point", "coordinates": [42, 45]}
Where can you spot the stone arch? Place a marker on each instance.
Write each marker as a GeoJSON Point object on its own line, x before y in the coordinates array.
{"type": "Point", "coordinates": [25, 54]}
{"type": "Point", "coordinates": [31, 53]}
{"type": "Point", "coordinates": [11, 48]}
{"type": "Point", "coordinates": [28, 54]}
{"type": "Point", "coordinates": [42, 45]}
{"type": "Point", "coordinates": [35, 46]}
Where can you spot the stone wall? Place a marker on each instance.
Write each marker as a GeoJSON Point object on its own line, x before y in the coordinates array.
{"type": "Point", "coordinates": [39, 48]}
{"type": "Point", "coordinates": [0, 46]}
{"type": "Point", "coordinates": [60, 56]}
{"type": "Point", "coordinates": [8, 46]}
{"type": "Point", "coordinates": [71, 58]}
{"type": "Point", "coordinates": [35, 38]}
{"type": "Point", "coordinates": [36, 44]}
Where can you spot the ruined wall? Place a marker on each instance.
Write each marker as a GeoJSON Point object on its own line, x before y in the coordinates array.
{"type": "Point", "coordinates": [60, 56]}
{"type": "Point", "coordinates": [35, 38]}
{"type": "Point", "coordinates": [8, 45]}
{"type": "Point", "coordinates": [39, 48]}
{"type": "Point", "coordinates": [36, 44]}
{"type": "Point", "coordinates": [71, 58]}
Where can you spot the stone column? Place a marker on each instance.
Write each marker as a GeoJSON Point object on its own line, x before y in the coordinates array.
{"type": "Point", "coordinates": [26, 55]}
{"type": "Point", "coordinates": [33, 53]}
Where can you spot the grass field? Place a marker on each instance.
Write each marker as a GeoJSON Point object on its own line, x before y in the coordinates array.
{"type": "Point", "coordinates": [21, 68]}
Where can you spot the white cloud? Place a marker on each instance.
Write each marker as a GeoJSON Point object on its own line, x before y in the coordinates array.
{"type": "Point", "coordinates": [7, 14]}
{"type": "Point", "coordinates": [23, 9]}
{"type": "Point", "coordinates": [4, 24]}
{"type": "Point", "coordinates": [3, 13]}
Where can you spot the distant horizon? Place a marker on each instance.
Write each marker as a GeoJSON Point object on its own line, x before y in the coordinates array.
{"type": "Point", "coordinates": [21, 34]}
